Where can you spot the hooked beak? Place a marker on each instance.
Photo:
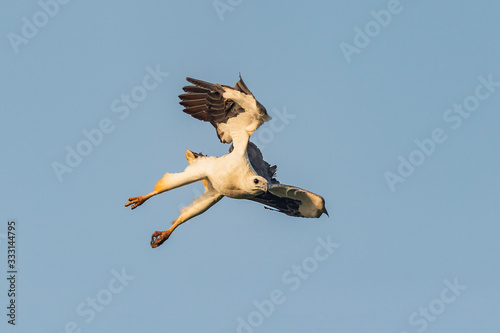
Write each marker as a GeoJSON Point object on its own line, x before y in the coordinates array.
{"type": "Point", "coordinates": [264, 187]}
{"type": "Point", "coordinates": [326, 212]}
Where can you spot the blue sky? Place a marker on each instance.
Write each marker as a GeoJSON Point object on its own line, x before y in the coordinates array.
{"type": "Point", "coordinates": [389, 109]}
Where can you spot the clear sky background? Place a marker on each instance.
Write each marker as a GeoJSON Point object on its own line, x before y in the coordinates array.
{"type": "Point", "coordinates": [420, 256]}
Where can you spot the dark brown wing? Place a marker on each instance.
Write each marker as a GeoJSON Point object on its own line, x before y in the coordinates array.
{"type": "Point", "coordinates": [204, 101]}
{"type": "Point", "coordinates": [290, 200]}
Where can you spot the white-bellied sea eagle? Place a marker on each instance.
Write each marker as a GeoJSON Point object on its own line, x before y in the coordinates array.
{"type": "Point", "coordinates": [241, 174]}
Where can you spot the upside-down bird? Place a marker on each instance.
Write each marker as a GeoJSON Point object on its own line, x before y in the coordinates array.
{"type": "Point", "coordinates": [241, 174]}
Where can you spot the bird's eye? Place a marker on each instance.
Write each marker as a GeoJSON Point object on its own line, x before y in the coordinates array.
{"type": "Point", "coordinates": [256, 181]}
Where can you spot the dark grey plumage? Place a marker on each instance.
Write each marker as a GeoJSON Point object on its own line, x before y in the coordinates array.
{"type": "Point", "coordinates": [284, 205]}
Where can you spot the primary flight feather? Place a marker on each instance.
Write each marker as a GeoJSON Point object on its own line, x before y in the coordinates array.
{"type": "Point", "coordinates": [241, 174]}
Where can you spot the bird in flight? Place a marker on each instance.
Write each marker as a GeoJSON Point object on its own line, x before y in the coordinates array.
{"type": "Point", "coordinates": [241, 174]}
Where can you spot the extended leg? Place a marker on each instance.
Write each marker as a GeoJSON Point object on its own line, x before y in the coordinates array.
{"type": "Point", "coordinates": [197, 207]}
{"type": "Point", "coordinates": [137, 201]}
{"type": "Point", "coordinates": [168, 182]}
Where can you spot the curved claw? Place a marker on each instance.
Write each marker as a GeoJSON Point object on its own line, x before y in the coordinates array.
{"type": "Point", "coordinates": [136, 202]}
{"type": "Point", "coordinates": [158, 238]}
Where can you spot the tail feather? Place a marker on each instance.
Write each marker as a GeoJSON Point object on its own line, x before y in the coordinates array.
{"type": "Point", "coordinates": [192, 156]}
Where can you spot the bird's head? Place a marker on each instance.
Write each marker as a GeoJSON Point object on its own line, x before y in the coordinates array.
{"type": "Point", "coordinates": [257, 185]}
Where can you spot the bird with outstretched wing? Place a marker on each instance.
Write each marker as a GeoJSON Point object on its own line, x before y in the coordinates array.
{"type": "Point", "coordinates": [241, 174]}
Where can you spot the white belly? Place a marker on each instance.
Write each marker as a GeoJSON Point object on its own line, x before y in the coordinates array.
{"type": "Point", "coordinates": [228, 174]}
